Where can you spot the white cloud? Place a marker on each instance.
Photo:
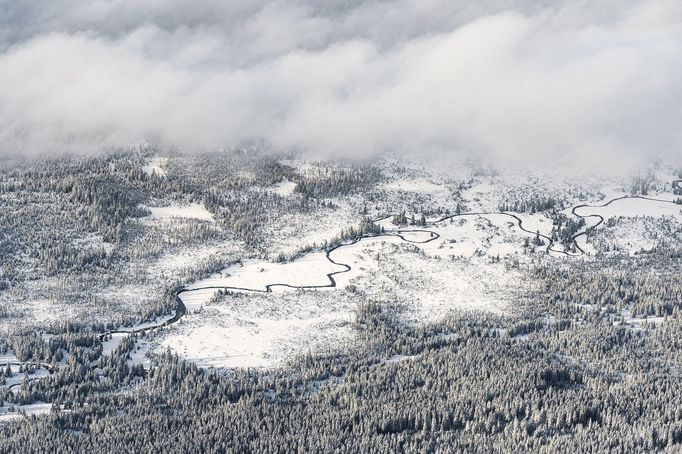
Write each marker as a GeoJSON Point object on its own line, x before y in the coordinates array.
{"type": "Point", "coordinates": [344, 78]}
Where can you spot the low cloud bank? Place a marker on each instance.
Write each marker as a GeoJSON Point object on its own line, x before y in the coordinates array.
{"type": "Point", "coordinates": [345, 78]}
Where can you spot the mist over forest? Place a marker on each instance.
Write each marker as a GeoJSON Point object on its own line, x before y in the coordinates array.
{"type": "Point", "coordinates": [520, 80]}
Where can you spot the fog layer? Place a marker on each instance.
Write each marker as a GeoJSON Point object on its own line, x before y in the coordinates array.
{"type": "Point", "coordinates": [512, 79]}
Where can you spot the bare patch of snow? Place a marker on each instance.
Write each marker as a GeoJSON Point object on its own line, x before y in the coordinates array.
{"type": "Point", "coordinates": [156, 166]}
{"type": "Point", "coordinates": [191, 211]}
{"type": "Point", "coordinates": [260, 330]}
{"type": "Point", "coordinates": [421, 186]}
{"type": "Point", "coordinates": [9, 412]}
{"type": "Point", "coordinates": [284, 188]}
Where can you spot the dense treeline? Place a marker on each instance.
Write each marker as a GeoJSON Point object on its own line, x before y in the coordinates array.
{"type": "Point", "coordinates": [336, 182]}
{"type": "Point", "coordinates": [531, 205]}
{"type": "Point", "coordinates": [479, 393]}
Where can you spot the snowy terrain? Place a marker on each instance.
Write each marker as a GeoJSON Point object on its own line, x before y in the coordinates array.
{"type": "Point", "coordinates": [191, 211]}
{"type": "Point", "coordinates": [9, 412]}
{"type": "Point", "coordinates": [473, 264]}
{"type": "Point", "coordinates": [460, 261]}
{"type": "Point", "coordinates": [156, 166]}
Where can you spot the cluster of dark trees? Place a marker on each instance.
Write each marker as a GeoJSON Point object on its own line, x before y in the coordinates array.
{"type": "Point", "coordinates": [246, 212]}
{"type": "Point", "coordinates": [642, 184]}
{"type": "Point", "coordinates": [646, 285]}
{"type": "Point", "coordinates": [332, 182]}
{"type": "Point", "coordinates": [564, 228]}
{"type": "Point", "coordinates": [402, 219]}
{"type": "Point", "coordinates": [48, 206]}
{"type": "Point", "coordinates": [533, 204]}
{"type": "Point", "coordinates": [677, 185]}
{"type": "Point", "coordinates": [536, 241]}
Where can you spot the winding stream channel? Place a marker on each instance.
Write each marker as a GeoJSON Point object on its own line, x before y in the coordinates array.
{"type": "Point", "coordinates": [181, 309]}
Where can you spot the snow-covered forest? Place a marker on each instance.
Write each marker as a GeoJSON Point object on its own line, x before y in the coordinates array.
{"type": "Point", "coordinates": [368, 226]}
{"type": "Point", "coordinates": [241, 302]}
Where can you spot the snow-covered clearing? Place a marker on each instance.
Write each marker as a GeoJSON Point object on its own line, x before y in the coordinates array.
{"type": "Point", "coordinates": [481, 196]}
{"type": "Point", "coordinates": [109, 345]}
{"type": "Point", "coordinates": [156, 166]}
{"type": "Point", "coordinates": [634, 235]}
{"type": "Point", "coordinates": [421, 186]}
{"type": "Point", "coordinates": [9, 412]}
{"type": "Point", "coordinates": [536, 222]}
{"type": "Point", "coordinates": [191, 211]}
{"type": "Point", "coordinates": [284, 188]}
{"type": "Point", "coordinates": [139, 353]}
{"type": "Point", "coordinates": [431, 288]}
{"type": "Point", "coordinates": [256, 275]}
{"type": "Point", "coordinates": [393, 359]}
{"type": "Point", "coordinates": [430, 277]}
{"type": "Point", "coordinates": [263, 330]}
{"type": "Point", "coordinates": [633, 207]}
{"type": "Point", "coordinates": [639, 323]}
{"type": "Point", "coordinates": [638, 210]}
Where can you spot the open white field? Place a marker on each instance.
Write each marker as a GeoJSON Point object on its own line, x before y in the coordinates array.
{"type": "Point", "coordinates": [9, 412]}
{"type": "Point", "coordinates": [633, 207]}
{"type": "Point", "coordinates": [190, 211]}
{"type": "Point", "coordinates": [310, 270]}
{"type": "Point", "coordinates": [263, 330]}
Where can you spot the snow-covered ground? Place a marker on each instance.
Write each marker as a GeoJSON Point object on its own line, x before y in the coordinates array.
{"type": "Point", "coordinates": [284, 188]}
{"type": "Point", "coordinates": [635, 235]}
{"type": "Point", "coordinates": [109, 345]}
{"type": "Point", "coordinates": [156, 166]}
{"type": "Point", "coordinates": [422, 186]}
{"type": "Point", "coordinates": [430, 288]}
{"type": "Point", "coordinates": [636, 210]}
{"type": "Point", "coordinates": [475, 263]}
{"type": "Point", "coordinates": [9, 412]}
{"type": "Point", "coordinates": [292, 231]}
{"type": "Point", "coordinates": [191, 211]}
{"type": "Point", "coordinates": [263, 330]}
{"type": "Point", "coordinates": [633, 207]}
{"type": "Point", "coordinates": [15, 381]}
{"type": "Point", "coordinates": [256, 275]}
